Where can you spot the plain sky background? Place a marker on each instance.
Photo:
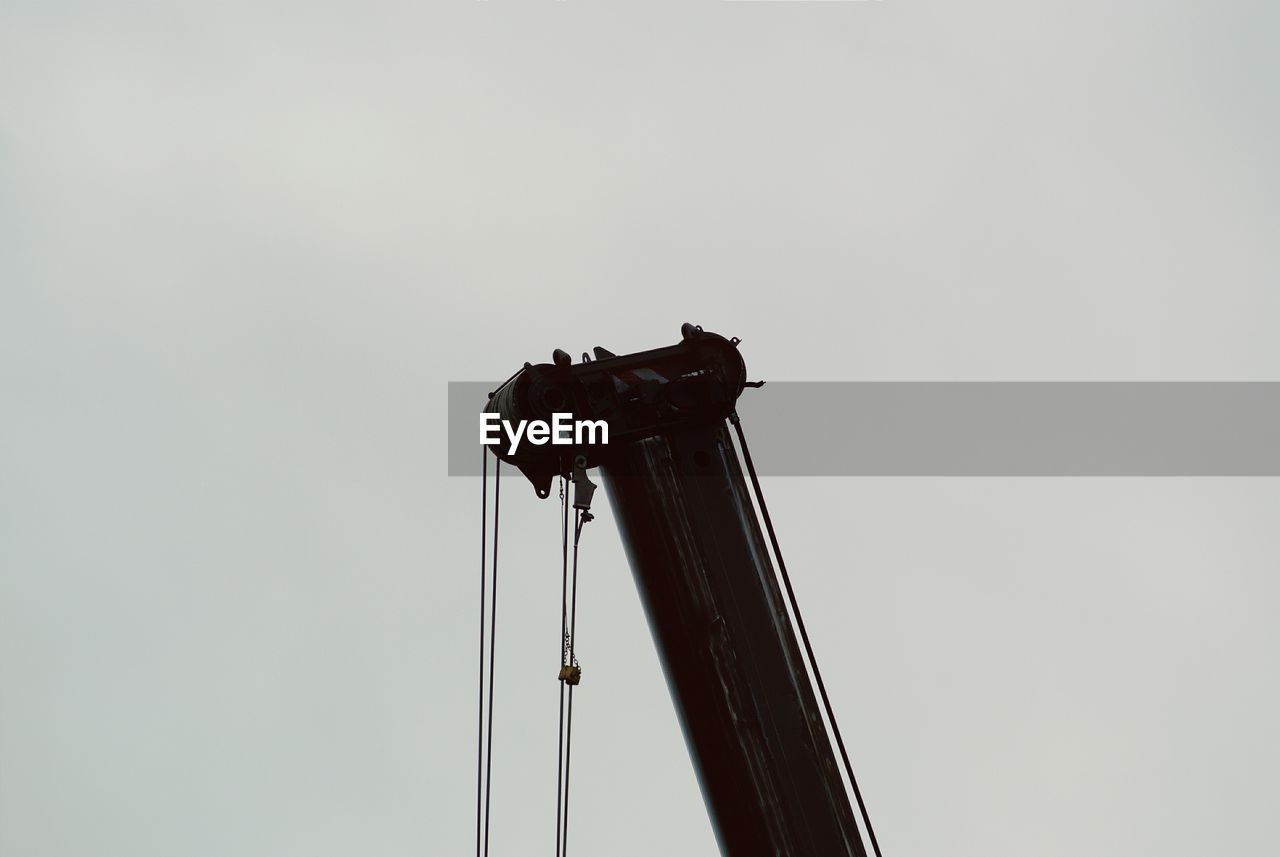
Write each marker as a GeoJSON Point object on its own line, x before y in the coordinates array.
{"type": "Point", "coordinates": [244, 246]}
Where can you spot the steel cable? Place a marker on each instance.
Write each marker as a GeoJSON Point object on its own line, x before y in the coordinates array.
{"type": "Point", "coordinates": [804, 634]}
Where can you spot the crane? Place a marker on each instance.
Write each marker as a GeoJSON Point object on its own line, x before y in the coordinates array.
{"type": "Point", "coordinates": [747, 705]}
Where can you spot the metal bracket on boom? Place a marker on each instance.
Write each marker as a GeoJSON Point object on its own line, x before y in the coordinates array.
{"type": "Point", "coordinates": [583, 488]}
{"type": "Point", "coordinates": [696, 381]}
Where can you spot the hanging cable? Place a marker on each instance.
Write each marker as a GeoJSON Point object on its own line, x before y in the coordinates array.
{"type": "Point", "coordinates": [804, 634]}
{"type": "Point", "coordinates": [564, 648]}
{"type": "Point", "coordinates": [484, 572]}
{"type": "Point", "coordinates": [493, 626]}
{"type": "Point", "coordinates": [570, 672]}
{"type": "Point", "coordinates": [580, 518]}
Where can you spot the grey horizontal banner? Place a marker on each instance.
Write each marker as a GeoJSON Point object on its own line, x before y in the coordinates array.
{"type": "Point", "coordinates": [982, 428]}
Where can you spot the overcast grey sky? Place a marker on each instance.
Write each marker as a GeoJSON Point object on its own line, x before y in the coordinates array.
{"type": "Point", "coordinates": [244, 246]}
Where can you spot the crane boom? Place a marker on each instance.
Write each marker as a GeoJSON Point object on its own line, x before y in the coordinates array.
{"type": "Point", "coordinates": [744, 699]}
